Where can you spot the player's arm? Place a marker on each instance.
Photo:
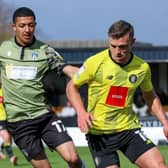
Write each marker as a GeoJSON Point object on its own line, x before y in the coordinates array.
{"type": "Point", "coordinates": [57, 63]}
{"type": "Point", "coordinates": [155, 105]}
{"type": "Point", "coordinates": [84, 118]}
{"type": "Point", "coordinates": [69, 70]}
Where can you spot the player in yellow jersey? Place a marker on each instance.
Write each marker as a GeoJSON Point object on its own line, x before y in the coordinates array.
{"type": "Point", "coordinates": [7, 145]}
{"type": "Point", "coordinates": [113, 76]}
{"type": "Point", "coordinates": [2, 118]}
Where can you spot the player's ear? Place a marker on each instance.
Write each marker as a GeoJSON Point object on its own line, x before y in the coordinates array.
{"type": "Point", "coordinates": [14, 27]}
{"type": "Point", "coordinates": [133, 41]}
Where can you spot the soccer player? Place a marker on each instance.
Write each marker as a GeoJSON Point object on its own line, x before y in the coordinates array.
{"type": "Point", "coordinates": [6, 138]}
{"type": "Point", "coordinates": [24, 61]}
{"type": "Point", "coordinates": [112, 76]}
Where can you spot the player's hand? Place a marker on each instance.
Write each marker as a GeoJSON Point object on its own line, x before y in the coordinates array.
{"type": "Point", "coordinates": [85, 121]}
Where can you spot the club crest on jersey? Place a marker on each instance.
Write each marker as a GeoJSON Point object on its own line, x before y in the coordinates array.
{"type": "Point", "coordinates": [133, 78]}
{"type": "Point", "coordinates": [34, 56]}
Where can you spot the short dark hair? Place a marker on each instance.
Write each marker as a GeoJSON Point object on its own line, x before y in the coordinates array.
{"type": "Point", "coordinates": [120, 28]}
{"type": "Point", "coordinates": [23, 12]}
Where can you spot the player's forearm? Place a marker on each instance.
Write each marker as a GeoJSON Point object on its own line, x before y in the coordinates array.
{"type": "Point", "coordinates": [75, 98]}
{"type": "Point", "coordinates": [155, 105]}
{"type": "Point", "coordinates": [158, 111]}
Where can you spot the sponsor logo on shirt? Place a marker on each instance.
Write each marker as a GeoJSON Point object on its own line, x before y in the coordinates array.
{"type": "Point", "coordinates": [21, 72]}
{"type": "Point", "coordinates": [1, 99]}
{"type": "Point", "coordinates": [117, 96]}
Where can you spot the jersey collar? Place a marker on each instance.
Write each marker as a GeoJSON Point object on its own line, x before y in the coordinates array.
{"type": "Point", "coordinates": [29, 45]}
{"type": "Point", "coordinates": [122, 65]}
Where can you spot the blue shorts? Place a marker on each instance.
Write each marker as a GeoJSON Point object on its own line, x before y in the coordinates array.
{"type": "Point", "coordinates": [132, 143]}
{"type": "Point", "coordinates": [29, 135]}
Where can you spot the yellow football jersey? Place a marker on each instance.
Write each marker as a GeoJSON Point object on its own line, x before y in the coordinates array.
{"type": "Point", "coordinates": [2, 109]}
{"type": "Point", "coordinates": [110, 91]}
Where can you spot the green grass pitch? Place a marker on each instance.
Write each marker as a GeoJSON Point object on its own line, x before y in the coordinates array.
{"type": "Point", "coordinates": [57, 162]}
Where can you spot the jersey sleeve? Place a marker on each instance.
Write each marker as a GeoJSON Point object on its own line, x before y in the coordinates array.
{"type": "Point", "coordinates": [146, 84]}
{"type": "Point", "coordinates": [84, 74]}
{"type": "Point", "coordinates": [55, 60]}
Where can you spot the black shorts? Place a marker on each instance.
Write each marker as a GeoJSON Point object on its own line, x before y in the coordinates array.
{"type": "Point", "coordinates": [29, 135]}
{"type": "Point", "coordinates": [104, 148]}
{"type": "Point", "coordinates": [3, 124]}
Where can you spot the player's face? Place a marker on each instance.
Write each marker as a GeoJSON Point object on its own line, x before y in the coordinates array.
{"type": "Point", "coordinates": [121, 48]}
{"type": "Point", "coordinates": [24, 28]}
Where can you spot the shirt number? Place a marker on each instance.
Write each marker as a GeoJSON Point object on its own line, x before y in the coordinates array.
{"type": "Point", "coordinates": [59, 126]}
